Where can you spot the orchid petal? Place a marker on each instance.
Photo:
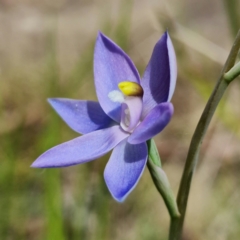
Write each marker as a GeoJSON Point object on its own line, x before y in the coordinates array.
{"type": "Point", "coordinates": [152, 124]}
{"type": "Point", "coordinates": [82, 116]}
{"type": "Point", "coordinates": [131, 112]}
{"type": "Point", "coordinates": [159, 79]}
{"type": "Point", "coordinates": [111, 66]}
{"type": "Point", "coordinates": [125, 168]}
{"type": "Point", "coordinates": [81, 149]}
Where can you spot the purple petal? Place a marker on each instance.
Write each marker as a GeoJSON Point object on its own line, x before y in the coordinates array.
{"type": "Point", "coordinates": [159, 79]}
{"type": "Point", "coordinates": [82, 116]}
{"type": "Point", "coordinates": [125, 168]}
{"type": "Point", "coordinates": [111, 66]}
{"type": "Point", "coordinates": [131, 113]}
{"type": "Point", "coordinates": [152, 124]}
{"type": "Point", "coordinates": [81, 149]}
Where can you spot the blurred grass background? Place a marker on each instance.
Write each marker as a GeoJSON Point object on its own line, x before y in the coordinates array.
{"type": "Point", "coordinates": [46, 50]}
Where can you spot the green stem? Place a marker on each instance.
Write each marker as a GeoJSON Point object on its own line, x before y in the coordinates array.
{"type": "Point", "coordinates": [232, 73]}
{"type": "Point", "coordinates": [232, 8]}
{"type": "Point", "coordinates": [162, 185]}
{"type": "Point", "coordinates": [192, 157]}
{"type": "Point", "coordinates": [160, 179]}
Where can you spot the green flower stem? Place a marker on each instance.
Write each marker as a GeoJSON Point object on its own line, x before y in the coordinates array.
{"type": "Point", "coordinates": [162, 184]}
{"type": "Point", "coordinates": [192, 157]}
{"type": "Point", "coordinates": [232, 73]}
{"type": "Point", "coordinates": [160, 179]}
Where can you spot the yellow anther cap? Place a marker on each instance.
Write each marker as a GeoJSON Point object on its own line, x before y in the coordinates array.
{"type": "Point", "coordinates": [130, 88]}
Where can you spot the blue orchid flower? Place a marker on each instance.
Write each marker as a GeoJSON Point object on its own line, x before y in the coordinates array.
{"type": "Point", "coordinates": [130, 112]}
